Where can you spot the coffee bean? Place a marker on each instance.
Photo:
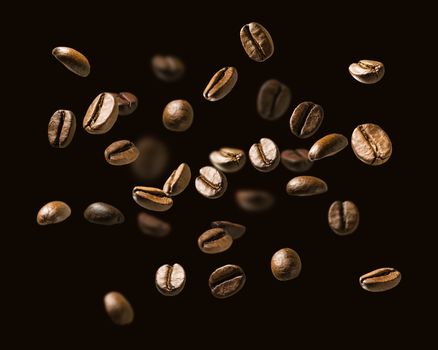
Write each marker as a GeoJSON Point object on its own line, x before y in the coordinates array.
{"type": "Point", "coordinates": [103, 214]}
{"type": "Point", "coordinates": [178, 181]}
{"type": "Point", "coordinates": [367, 71]}
{"type": "Point", "coordinates": [226, 281]}
{"type": "Point", "coordinates": [296, 160]}
{"type": "Point", "coordinates": [305, 186]}
{"type": "Point", "coordinates": [215, 240]}
{"type": "Point", "coordinates": [73, 60]}
{"type": "Point", "coordinates": [343, 217]}
{"type": "Point", "coordinates": [256, 41]}
{"type": "Point", "coordinates": [152, 198]}
{"type": "Point", "coordinates": [371, 144]}
{"type": "Point", "coordinates": [254, 200]}
{"type": "Point", "coordinates": [168, 68]}
{"type": "Point", "coordinates": [127, 103]}
{"type": "Point", "coordinates": [152, 160]}
{"type": "Point", "coordinates": [273, 99]}
{"type": "Point", "coordinates": [380, 280]}
{"type": "Point", "coordinates": [152, 226]}
{"type": "Point", "coordinates": [102, 114]}
{"type": "Point", "coordinates": [227, 159]}
{"type": "Point", "coordinates": [286, 264]}
{"type": "Point", "coordinates": [234, 230]}
{"type": "Point", "coordinates": [61, 129]}
{"type": "Point", "coordinates": [178, 115]}
{"type": "Point", "coordinates": [221, 84]}
{"type": "Point", "coordinates": [121, 153]}
{"type": "Point", "coordinates": [306, 119]}
{"type": "Point", "coordinates": [211, 183]}
{"type": "Point", "coordinates": [264, 156]}
{"type": "Point", "coordinates": [170, 279]}
{"type": "Point", "coordinates": [327, 146]}
{"type": "Point", "coordinates": [53, 213]}
{"type": "Point", "coordinates": [118, 308]}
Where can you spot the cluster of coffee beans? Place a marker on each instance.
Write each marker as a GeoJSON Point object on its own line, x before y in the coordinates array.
{"type": "Point", "coordinates": [369, 142]}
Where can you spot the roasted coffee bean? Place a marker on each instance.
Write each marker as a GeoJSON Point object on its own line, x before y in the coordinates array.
{"type": "Point", "coordinates": [327, 146]}
{"type": "Point", "coordinates": [211, 183]}
{"type": "Point", "coordinates": [102, 114]}
{"type": "Point", "coordinates": [168, 68]}
{"type": "Point", "coordinates": [264, 156]}
{"type": "Point", "coordinates": [343, 217]}
{"type": "Point", "coordinates": [121, 153]}
{"type": "Point", "coordinates": [103, 214]}
{"type": "Point", "coordinates": [380, 280]}
{"type": "Point", "coordinates": [221, 84]}
{"type": "Point", "coordinates": [371, 144]}
{"type": "Point", "coordinates": [306, 119]}
{"type": "Point", "coordinates": [178, 180]}
{"type": "Point", "coordinates": [305, 186]}
{"type": "Point", "coordinates": [273, 99]}
{"type": "Point", "coordinates": [178, 115]}
{"type": "Point", "coordinates": [152, 198]}
{"type": "Point", "coordinates": [286, 264]}
{"type": "Point", "coordinates": [254, 200]}
{"type": "Point", "coordinates": [234, 230]}
{"type": "Point", "coordinates": [73, 60]}
{"type": "Point", "coordinates": [215, 240]}
{"type": "Point", "coordinates": [227, 159]}
{"type": "Point", "coordinates": [127, 102]}
{"type": "Point", "coordinates": [226, 281]}
{"type": "Point", "coordinates": [152, 160]}
{"type": "Point", "coordinates": [367, 71]}
{"type": "Point", "coordinates": [170, 279]}
{"type": "Point", "coordinates": [296, 160]}
{"type": "Point", "coordinates": [256, 41]}
{"type": "Point", "coordinates": [61, 129]}
{"type": "Point", "coordinates": [118, 308]}
{"type": "Point", "coordinates": [53, 213]}
{"type": "Point", "coordinates": [152, 226]}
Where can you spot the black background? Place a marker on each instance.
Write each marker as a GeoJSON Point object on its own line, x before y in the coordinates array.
{"type": "Point", "coordinates": [66, 269]}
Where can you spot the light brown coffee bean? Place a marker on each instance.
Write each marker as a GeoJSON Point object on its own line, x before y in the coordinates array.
{"type": "Point", "coordinates": [227, 159]}
{"type": "Point", "coordinates": [127, 102]}
{"type": "Point", "coordinates": [306, 119]}
{"type": "Point", "coordinates": [343, 217]}
{"type": "Point", "coordinates": [121, 153]}
{"type": "Point", "coordinates": [211, 183]}
{"type": "Point", "coordinates": [170, 279]}
{"type": "Point", "coordinates": [234, 230]}
{"type": "Point", "coordinates": [296, 160]}
{"type": "Point", "coordinates": [118, 308]}
{"type": "Point", "coordinates": [178, 116]}
{"type": "Point", "coordinates": [380, 280]}
{"type": "Point", "coordinates": [367, 71]}
{"type": "Point", "coordinates": [215, 240]}
{"type": "Point", "coordinates": [286, 264]}
{"type": "Point", "coordinates": [221, 84]}
{"type": "Point", "coordinates": [152, 198]}
{"type": "Point", "coordinates": [327, 146]}
{"type": "Point", "coordinates": [178, 180]}
{"type": "Point", "coordinates": [371, 144]}
{"type": "Point", "coordinates": [256, 41]}
{"type": "Point", "coordinates": [53, 213]}
{"type": "Point", "coordinates": [73, 60]}
{"type": "Point", "coordinates": [306, 186]}
{"type": "Point", "coordinates": [102, 114]}
{"type": "Point", "coordinates": [152, 226]}
{"type": "Point", "coordinates": [264, 156]}
{"type": "Point", "coordinates": [61, 129]}
{"type": "Point", "coordinates": [226, 281]}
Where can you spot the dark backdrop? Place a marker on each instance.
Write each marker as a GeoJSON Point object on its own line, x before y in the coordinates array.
{"type": "Point", "coordinates": [67, 268]}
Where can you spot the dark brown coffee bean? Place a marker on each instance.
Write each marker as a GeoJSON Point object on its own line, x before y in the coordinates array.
{"type": "Point", "coordinates": [306, 119]}
{"type": "Point", "coordinates": [234, 230]}
{"type": "Point", "coordinates": [343, 217]}
{"type": "Point", "coordinates": [254, 200]}
{"type": "Point", "coordinates": [273, 99]}
{"type": "Point", "coordinates": [53, 213]}
{"type": "Point", "coordinates": [227, 159]}
{"type": "Point", "coordinates": [264, 156]}
{"type": "Point", "coordinates": [286, 264]}
{"type": "Point", "coordinates": [152, 226]}
{"type": "Point", "coordinates": [178, 180]}
{"type": "Point", "coordinates": [371, 144]}
{"type": "Point", "coordinates": [215, 240]}
{"type": "Point", "coordinates": [380, 280]}
{"type": "Point", "coordinates": [152, 198]}
{"type": "Point", "coordinates": [178, 115]}
{"type": "Point", "coordinates": [73, 60]}
{"type": "Point", "coordinates": [296, 160]}
{"type": "Point", "coordinates": [221, 84]}
{"type": "Point", "coordinates": [367, 71]}
{"type": "Point", "coordinates": [127, 102]}
{"type": "Point", "coordinates": [102, 114]}
{"type": "Point", "coordinates": [327, 146]}
{"type": "Point", "coordinates": [121, 153]}
{"type": "Point", "coordinates": [61, 129]}
{"type": "Point", "coordinates": [118, 308]}
{"type": "Point", "coordinates": [103, 214]}
{"type": "Point", "coordinates": [211, 183]}
{"type": "Point", "coordinates": [226, 281]}
{"type": "Point", "coordinates": [256, 41]}
{"type": "Point", "coordinates": [170, 279]}
{"type": "Point", "coordinates": [305, 186]}
{"type": "Point", "coordinates": [152, 160]}
{"type": "Point", "coordinates": [168, 68]}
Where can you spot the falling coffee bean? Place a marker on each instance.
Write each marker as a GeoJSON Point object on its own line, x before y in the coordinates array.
{"type": "Point", "coordinates": [264, 156]}
{"type": "Point", "coordinates": [211, 183]}
{"type": "Point", "coordinates": [170, 279]}
{"type": "Point", "coordinates": [234, 230]}
{"type": "Point", "coordinates": [121, 153]}
{"type": "Point", "coordinates": [61, 129]}
{"type": "Point", "coordinates": [102, 114]}
{"type": "Point", "coordinates": [367, 71]}
{"type": "Point", "coordinates": [152, 226]}
{"type": "Point", "coordinates": [273, 99]}
{"type": "Point", "coordinates": [53, 213]}
{"type": "Point", "coordinates": [296, 160]}
{"type": "Point", "coordinates": [380, 280]}
{"type": "Point", "coordinates": [168, 68]}
{"type": "Point", "coordinates": [256, 41]}
{"type": "Point", "coordinates": [152, 160]}
{"type": "Point", "coordinates": [327, 146]}
{"type": "Point", "coordinates": [254, 200]}
{"type": "Point", "coordinates": [118, 308]}
{"type": "Point", "coordinates": [215, 240]}
{"type": "Point", "coordinates": [178, 116]}
{"type": "Point", "coordinates": [371, 144]}
{"type": "Point", "coordinates": [73, 60]}
{"type": "Point", "coordinates": [306, 119]}
{"type": "Point", "coordinates": [343, 217]}
{"type": "Point", "coordinates": [152, 198]}
{"type": "Point", "coordinates": [103, 214]}
{"type": "Point", "coordinates": [286, 264]}
{"type": "Point", "coordinates": [305, 186]}
{"type": "Point", "coordinates": [127, 103]}
{"type": "Point", "coordinates": [221, 84]}
{"type": "Point", "coordinates": [178, 180]}
{"type": "Point", "coordinates": [227, 159]}
{"type": "Point", "coordinates": [226, 281]}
